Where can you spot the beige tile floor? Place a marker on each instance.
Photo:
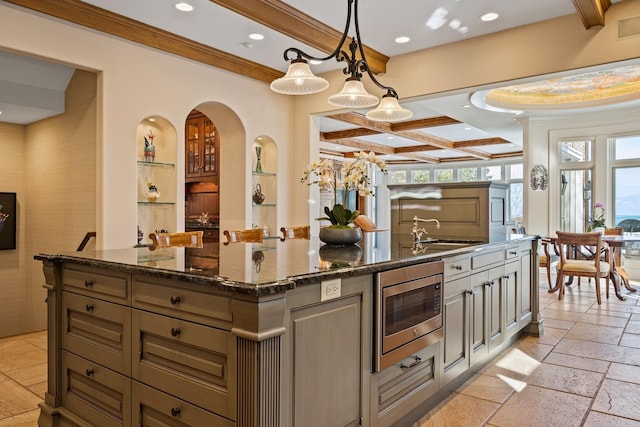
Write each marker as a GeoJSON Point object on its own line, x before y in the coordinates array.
{"type": "Point", "coordinates": [584, 371]}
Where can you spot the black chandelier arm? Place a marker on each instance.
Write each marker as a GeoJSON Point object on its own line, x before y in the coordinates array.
{"type": "Point", "coordinates": [390, 91]}
{"type": "Point", "coordinates": [300, 54]}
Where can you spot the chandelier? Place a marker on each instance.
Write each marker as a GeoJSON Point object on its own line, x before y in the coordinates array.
{"type": "Point", "coordinates": [299, 80]}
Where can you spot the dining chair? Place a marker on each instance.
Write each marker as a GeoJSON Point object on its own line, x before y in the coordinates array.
{"type": "Point", "coordinates": [570, 242]}
{"type": "Point", "coordinates": [252, 235]}
{"type": "Point", "coordinates": [366, 224]}
{"type": "Point", "coordinates": [299, 232]}
{"type": "Point", "coordinates": [548, 258]}
{"type": "Point", "coordinates": [187, 239]}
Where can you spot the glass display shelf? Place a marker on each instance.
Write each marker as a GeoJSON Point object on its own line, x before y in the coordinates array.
{"type": "Point", "coordinates": [263, 204]}
{"type": "Point", "coordinates": [263, 173]}
{"type": "Point", "coordinates": [156, 164]}
{"type": "Point", "coordinates": [157, 203]}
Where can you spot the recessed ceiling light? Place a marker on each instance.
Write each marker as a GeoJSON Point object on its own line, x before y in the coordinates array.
{"type": "Point", "coordinates": [467, 128]}
{"type": "Point", "coordinates": [402, 39]}
{"type": "Point", "coordinates": [390, 137]}
{"type": "Point", "coordinates": [455, 24]}
{"type": "Point", "coordinates": [256, 36]}
{"type": "Point", "coordinates": [487, 17]}
{"type": "Point", "coordinates": [183, 7]}
{"type": "Point", "coordinates": [466, 106]}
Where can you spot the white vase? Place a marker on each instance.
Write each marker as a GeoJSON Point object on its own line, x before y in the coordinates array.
{"type": "Point", "coordinates": [598, 229]}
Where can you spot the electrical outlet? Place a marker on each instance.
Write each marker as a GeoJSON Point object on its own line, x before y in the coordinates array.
{"type": "Point", "coordinates": [330, 289]}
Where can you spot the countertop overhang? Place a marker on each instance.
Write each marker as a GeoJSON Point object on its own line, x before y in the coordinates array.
{"type": "Point", "coordinates": [273, 267]}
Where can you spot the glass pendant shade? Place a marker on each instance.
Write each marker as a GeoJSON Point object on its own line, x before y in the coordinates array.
{"type": "Point", "coordinates": [389, 110]}
{"type": "Point", "coordinates": [353, 95]}
{"type": "Point", "coordinates": [299, 80]}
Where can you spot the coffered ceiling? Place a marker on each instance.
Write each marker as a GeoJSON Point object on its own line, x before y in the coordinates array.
{"type": "Point", "coordinates": [216, 33]}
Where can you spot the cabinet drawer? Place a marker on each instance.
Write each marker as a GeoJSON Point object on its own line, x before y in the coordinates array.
{"type": "Point", "coordinates": [154, 408]}
{"type": "Point", "coordinates": [110, 286]}
{"type": "Point", "coordinates": [190, 361]}
{"type": "Point", "coordinates": [98, 330]}
{"type": "Point", "coordinates": [457, 266]}
{"type": "Point", "coordinates": [487, 259]}
{"type": "Point", "coordinates": [512, 252]}
{"type": "Point", "coordinates": [95, 393]}
{"type": "Point", "coordinates": [174, 299]}
{"type": "Point", "coordinates": [414, 377]}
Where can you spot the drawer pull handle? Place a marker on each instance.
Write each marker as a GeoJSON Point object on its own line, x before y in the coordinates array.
{"type": "Point", "coordinates": [89, 372]}
{"type": "Point", "coordinates": [89, 307]}
{"type": "Point", "coordinates": [505, 277]}
{"type": "Point", "coordinates": [175, 332]}
{"type": "Point", "coordinates": [175, 412]}
{"type": "Point", "coordinates": [416, 362]}
{"type": "Point", "coordinates": [469, 292]}
{"type": "Point", "coordinates": [88, 283]}
{"type": "Point", "coordinates": [457, 267]}
{"type": "Point", "coordinates": [513, 253]}
{"type": "Point", "coordinates": [175, 299]}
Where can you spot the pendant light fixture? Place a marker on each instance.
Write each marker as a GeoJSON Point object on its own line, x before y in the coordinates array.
{"type": "Point", "coordinates": [299, 80]}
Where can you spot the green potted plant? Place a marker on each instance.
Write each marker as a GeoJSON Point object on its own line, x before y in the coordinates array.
{"type": "Point", "coordinates": [353, 175]}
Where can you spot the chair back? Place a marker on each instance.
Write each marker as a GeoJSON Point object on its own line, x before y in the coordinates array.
{"type": "Point", "coordinates": [580, 243]}
{"type": "Point", "coordinates": [253, 235]}
{"type": "Point", "coordinates": [300, 232]}
{"type": "Point", "coordinates": [187, 239]}
{"type": "Point", "coordinates": [616, 231]}
{"type": "Point", "coordinates": [366, 224]}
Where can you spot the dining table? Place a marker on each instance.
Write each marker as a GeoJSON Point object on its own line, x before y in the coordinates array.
{"type": "Point", "coordinates": [617, 273]}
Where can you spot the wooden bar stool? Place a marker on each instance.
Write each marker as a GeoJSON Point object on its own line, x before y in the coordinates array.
{"type": "Point", "coordinates": [300, 232]}
{"type": "Point", "coordinates": [252, 235]}
{"type": "Point", "coordinates": [187, 239]}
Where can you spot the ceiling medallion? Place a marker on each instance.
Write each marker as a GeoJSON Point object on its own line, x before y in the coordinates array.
{"type": "Point", "coordinates": [590, 89]}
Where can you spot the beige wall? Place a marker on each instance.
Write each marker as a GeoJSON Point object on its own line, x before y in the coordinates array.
{"type": "Point", "coordinates": [51, 165]}
{"type": "Point", "coordinates": [13, 263]}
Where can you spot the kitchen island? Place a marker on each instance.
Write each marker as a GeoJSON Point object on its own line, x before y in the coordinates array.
{"type": "Point", "coordinates": [279, 334]}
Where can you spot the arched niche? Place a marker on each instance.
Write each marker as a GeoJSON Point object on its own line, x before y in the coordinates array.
{"type": "Point", "coordinates": [264, 161]}
{"type": "Point", "coordinates": [233, 164]}
{"type": "Point", "coordinates": [156, 154]}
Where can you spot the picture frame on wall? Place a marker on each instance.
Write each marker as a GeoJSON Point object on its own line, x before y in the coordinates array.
{"type": "Point", "coordinates": [7, 221]}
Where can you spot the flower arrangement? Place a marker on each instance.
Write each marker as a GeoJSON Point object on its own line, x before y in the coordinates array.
{"type": "Point", "coordinates": [598, 216]}
{"type": "Point", "coordinates": [352, 176]}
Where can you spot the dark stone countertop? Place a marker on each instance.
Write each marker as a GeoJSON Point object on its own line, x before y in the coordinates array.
{"type": "Point", "coordinates": [274, 266]}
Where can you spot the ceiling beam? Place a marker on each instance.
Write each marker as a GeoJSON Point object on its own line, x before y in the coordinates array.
{"type": "Point", "coordinates": [99, 19]}
{"type": "Point", "coordinates": [591, 12]}
{"type": "Point", "coordinates": [425, 123]}
{"type": "Point", "coordinates": [360, 145]}
{"type": "Point", "coordinates": [283, 18]}
{"type": "Point", "coordinates": [384, 127]}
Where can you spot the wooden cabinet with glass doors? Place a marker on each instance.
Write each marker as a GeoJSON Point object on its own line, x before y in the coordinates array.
{"type": "Point", "coordinates": [201, 144]}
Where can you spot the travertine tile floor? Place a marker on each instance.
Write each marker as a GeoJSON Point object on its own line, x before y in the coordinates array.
{"type": "Point", "coordinates": [584, 371]}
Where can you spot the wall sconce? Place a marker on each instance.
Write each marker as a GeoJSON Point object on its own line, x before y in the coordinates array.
{"type": "Point", "coordinates": [563, 185]}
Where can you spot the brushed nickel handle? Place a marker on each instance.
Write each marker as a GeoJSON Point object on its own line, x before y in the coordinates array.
{"type": "Point", "coordinates": [175, 332]}
{"type": "Point", "coordinates": [469, 292]}
{"type": "Point", "coordinates": [89, 307]}
{"type": "Point", "coordinates": [175, 412]}
{"type": "Point", "coordinates": [88, 283]}
{"type": "Point", "coordinates": [513, 253]}
{"type": "Point", "coordinates": [416, 362]}
{"type": "Point", "coordinates": [89, 372]}
{"type": "Point", "coordinates": [175, 299]}
{"type": "Point", "coordinates": [457, 267]}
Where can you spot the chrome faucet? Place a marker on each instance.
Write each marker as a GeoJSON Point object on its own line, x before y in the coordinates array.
{"type": "Point", "coordinates": [418, 232]}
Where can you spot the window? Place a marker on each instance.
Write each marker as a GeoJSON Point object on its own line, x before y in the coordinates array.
{"type": "Point", "coordinates": [444, 175]}
{"type": "Point", "coordinates": [492, 173]}
{"type": "Point", "coordinates": [626, 182]}
{"type": "Point", "coordinates": [576, 151]}
{"type": "Point", "coordinates": [398, 177]}
{"type": "Point", "coordinates": [468, 174]}
{"type": "Point", "coordinates": [420, 176]}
